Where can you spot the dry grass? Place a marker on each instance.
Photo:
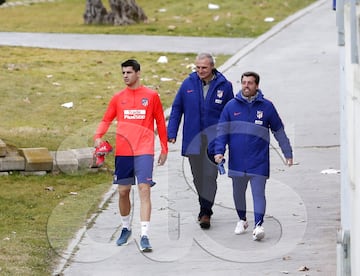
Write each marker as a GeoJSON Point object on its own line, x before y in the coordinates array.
{"type": "Point", "coordinates": [27, 241]}
{"type": "Point", "coordinates": [34, 83]}
{"type": "Point", "coordinates": [234, 18]}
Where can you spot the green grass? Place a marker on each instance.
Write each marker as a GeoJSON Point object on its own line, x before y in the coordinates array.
{"type": "Point", "coordinates": [235, 18]}
{"type": "Point", "coordinates": [28, 243]}
{"type": "Point", "coordinates": [35, 82]}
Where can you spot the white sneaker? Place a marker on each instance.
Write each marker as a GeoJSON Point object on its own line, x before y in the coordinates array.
{"type": "Point", "coordinates": [258, 233]}
{"type": "Point", "coordinates": [241, 227]}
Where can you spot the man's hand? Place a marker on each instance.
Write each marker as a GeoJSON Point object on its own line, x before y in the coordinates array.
{"type": "Point", "coordinates": [289, 162]}
{"type": "Point", "coordinates": [218, 158]}
{"type": "Point", "coordinates": [162, 159]}
{"type": "Point", "coordinates": [172, 140]}
{"type": "Point", "coordinates": [97, 142]}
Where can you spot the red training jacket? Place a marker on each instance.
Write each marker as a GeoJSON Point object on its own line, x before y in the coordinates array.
{"type": "Point", "coordinates": [135, 112]}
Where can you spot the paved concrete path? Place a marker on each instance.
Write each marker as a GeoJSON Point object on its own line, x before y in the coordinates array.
{"type": "Point", "coordinates": [138, 43]}
{"type": "Point", "coordinates": [298, 64]}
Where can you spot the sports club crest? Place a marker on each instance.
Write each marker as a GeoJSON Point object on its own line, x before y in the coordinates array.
{"type": "Point", "coordinates": [220, 93]}
{"type": "Point", "coordinates": [259, 114]}
{"type": "Point", "coordinates": [144, 101]}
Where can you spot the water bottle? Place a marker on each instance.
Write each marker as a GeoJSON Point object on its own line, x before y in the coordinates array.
{"type": "Point", "coordinates": [221, 167]}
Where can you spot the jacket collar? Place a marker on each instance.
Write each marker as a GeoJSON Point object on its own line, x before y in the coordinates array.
{"type": "Point", "coordinates": [259, 96]}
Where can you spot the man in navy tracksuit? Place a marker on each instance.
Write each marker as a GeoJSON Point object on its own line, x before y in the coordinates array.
{"type": "Point", "coordinates": [244, 126]}
{"type": "Point", "coordinates": [201, 98]}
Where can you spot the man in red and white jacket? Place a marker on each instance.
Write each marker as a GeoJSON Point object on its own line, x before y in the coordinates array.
{"type": "Point", "coordinates": [135, 108]}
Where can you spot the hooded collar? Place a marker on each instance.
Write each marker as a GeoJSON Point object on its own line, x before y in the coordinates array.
{"type": "Point", "coordinates": [257, 97]}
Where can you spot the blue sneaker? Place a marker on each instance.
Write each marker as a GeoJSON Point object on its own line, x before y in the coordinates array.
{"type": "Point", "coordinates": [145, 245]}
{"type": "Point", "coordinates": [125, 235]}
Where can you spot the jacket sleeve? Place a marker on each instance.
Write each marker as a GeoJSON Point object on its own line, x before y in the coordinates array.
{"type": "Point", "coordinates": [160, 124]}
{"type": "Point", "coordinates": [277, 128]}
{"type": "Point", "coordinates": [175, 115]}
{"type": "Point", "coordinates": [284, 142]}
{"type": "Point", "coordinates": [230, 94]}
{"type": "Point", "coordinates": [108, 117]}
{"type": "Point", "coordinates": [222, 133]}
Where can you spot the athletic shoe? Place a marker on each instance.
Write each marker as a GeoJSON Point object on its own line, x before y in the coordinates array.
{"type": "Point", "coordinates": [145, 244]}
{"type": "Point", "coordinates": [100, 152]}
{"type": "Point", "coordinates": [99, 160]}
{"type": "Point", "coordinates": [258, 233]}
{"type": "Point", "coordinates": [103, 148]}
{"type": "Point", "coordinates": [205, 222]}
{"type": "Point", "coordinates": [125, 235]}
{"type": "Point", "coordinates": [241, 227]}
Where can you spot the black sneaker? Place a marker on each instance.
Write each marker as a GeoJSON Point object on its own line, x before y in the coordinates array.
{"type": "Point", "coordinates": [205, 222]}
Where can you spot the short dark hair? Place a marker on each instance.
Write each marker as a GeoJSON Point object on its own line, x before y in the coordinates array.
{"type": "Point", "coordinates": [131, 63]}
{"type": "Point", "coordinates": [252, 74]}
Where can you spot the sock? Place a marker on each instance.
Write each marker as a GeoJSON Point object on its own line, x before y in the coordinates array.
{"type": "Point", "coordinates": [126, 221]}
{"type": "Point", "coordinates": [145, 228]}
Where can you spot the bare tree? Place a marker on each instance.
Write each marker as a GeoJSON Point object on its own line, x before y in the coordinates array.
{"type": "Point", "coordinates": [123, 12]}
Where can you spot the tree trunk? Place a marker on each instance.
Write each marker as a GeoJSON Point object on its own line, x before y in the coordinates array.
{"type": "Point", "coordinates": [123, 12]}
{"type": "Point", "coordinates": [95, 12]}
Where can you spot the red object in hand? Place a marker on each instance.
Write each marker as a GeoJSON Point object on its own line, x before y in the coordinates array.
{"type": "Point", "coordinates": [100, 152]}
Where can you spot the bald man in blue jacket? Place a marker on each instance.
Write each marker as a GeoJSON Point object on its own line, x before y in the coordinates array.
{"type": "Point", "coordinates": [199, 101]}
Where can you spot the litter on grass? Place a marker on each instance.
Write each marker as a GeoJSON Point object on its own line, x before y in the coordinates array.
{"type": "Point", "coordinates": [269, 19]}
{"type": "Point", "coordinates": [213, 6]}
{"type": "Point", "coordinates": [162, 59]}
{"type": "Point", "coordinates": [165, 79]}
{"type": "Point", "coordinates": [68, 105]}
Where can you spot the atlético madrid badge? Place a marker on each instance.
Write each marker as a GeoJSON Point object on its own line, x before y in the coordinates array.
{"type": "Point", "coordinates": [144, 101]}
